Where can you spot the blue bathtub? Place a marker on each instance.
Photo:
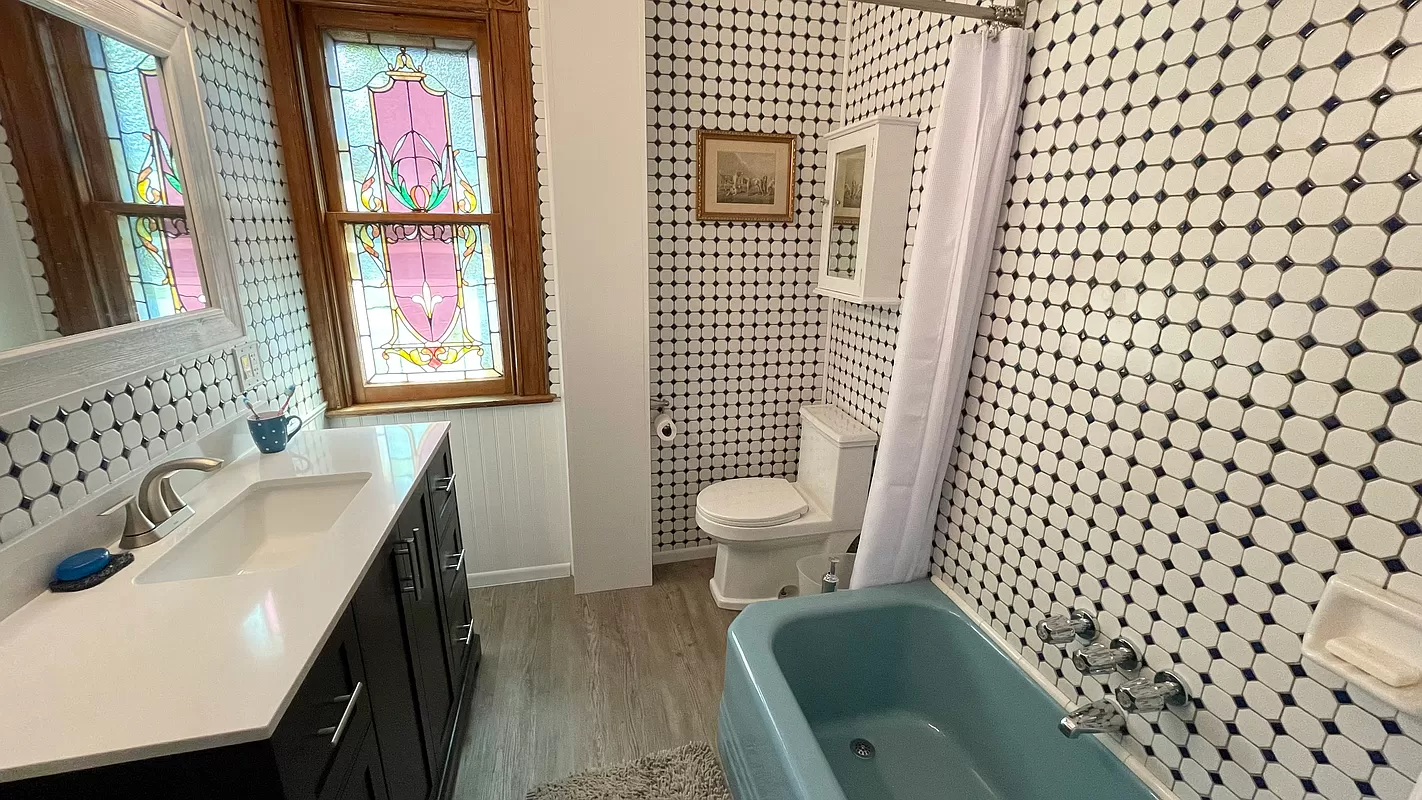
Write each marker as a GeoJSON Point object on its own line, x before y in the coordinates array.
{"type": "Point", "coordinates": [947, 713]}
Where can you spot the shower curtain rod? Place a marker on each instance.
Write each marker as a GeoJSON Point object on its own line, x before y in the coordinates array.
{"type": "Point", "coordinates": [1012, 15]}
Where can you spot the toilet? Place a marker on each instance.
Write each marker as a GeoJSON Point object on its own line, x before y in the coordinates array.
{"type": "Point", "coordinates": [762, 526]}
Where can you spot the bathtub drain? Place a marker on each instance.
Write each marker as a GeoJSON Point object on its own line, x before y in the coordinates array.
{"type": "Point", "coordinates": [862, 748]}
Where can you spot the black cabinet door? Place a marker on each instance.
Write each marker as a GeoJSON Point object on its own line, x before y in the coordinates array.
{"type": "Point", "coordinates": [366, 780]}
{"type": "Point", "coordinates": [327, 720]}
{"type": "Point", "coordinates": [386, 645]}
{"type": "Point", "coordinates": [420, 604]}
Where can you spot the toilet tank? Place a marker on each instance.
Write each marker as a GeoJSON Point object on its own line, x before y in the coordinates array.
{"type": "Point", "coordinates": [836, 461]}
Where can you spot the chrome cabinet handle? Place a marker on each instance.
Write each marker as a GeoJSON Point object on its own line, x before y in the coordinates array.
{"type": "Point", "coordinates": [445, 484]}
{"type": "Point", "coordinates": [339, 729]}
{"type": "Point", "coordinates": [458, 562]}
{"type": "Point", "coordinates": [468, 633]}
{"type": "Point", "coordinates": [410, 580]}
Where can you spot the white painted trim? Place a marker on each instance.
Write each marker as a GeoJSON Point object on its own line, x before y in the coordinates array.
{"type": "Point", "coordinates": [684, 554]}
{"type": "Point", "coordinates": [97, 358]}
{"type": "Point", "coordinates": [1147, 777]}
{"type": "Point", "coordinates": [503, 577]}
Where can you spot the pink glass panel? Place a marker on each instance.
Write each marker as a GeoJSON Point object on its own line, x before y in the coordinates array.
{"type": "Point", "coordinates": [424, 278]}
{"type": "Point", "coordinates": [410, 124]}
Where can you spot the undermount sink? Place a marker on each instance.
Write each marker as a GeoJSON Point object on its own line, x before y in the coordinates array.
{"type": "Point", "coordinates": [271, 525]}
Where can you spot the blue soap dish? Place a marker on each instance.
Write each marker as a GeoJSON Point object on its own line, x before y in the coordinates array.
{"type": "Point", "coordinates": [87, 569]}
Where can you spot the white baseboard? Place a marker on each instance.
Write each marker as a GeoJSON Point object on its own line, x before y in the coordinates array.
{"type": "Point", "coordinates": [684, 554]}
{"type": "Point", "coordinates": [501, 577]}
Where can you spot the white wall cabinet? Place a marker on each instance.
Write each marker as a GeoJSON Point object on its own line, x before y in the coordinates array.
{"type": "Point", "coordinates": [866, 214]}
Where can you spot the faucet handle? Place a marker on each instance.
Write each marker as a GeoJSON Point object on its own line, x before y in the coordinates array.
{"type": "Point", "coordinates": [1144, 695]}
{"type": "Point", "coordinates": [1100, 658]}
{"type": "Point", "coordinates": [1061, 629]}
{"type": "Point", "coordinates": [137, 527]}
{"type": "Point", "coordinates": [1099, 716]}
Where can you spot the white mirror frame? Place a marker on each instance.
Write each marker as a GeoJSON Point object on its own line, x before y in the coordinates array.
{"type": "Point", "coordinates": [56, 368]}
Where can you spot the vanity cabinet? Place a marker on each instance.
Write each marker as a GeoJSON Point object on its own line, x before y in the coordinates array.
{"type": "Point", "coordinates": [378, 713]}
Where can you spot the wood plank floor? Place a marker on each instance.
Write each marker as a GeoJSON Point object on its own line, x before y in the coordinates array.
{"type": "Point", "coordinates": [571, 682]}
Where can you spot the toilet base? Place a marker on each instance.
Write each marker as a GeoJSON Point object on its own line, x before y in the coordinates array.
{"type": "Point", "coordinates": [750, 573]}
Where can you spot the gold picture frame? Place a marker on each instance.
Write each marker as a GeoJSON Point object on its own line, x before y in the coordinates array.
{"type": "Point", "coordinates": [745, 177]}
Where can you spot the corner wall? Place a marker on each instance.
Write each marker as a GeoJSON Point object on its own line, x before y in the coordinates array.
{"type": "Point", "coordinates": [1197, 391]}
{"type": "Point", "coordinates": [595, 98]}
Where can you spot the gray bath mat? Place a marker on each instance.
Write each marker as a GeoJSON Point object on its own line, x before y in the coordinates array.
{"type": "Point", "coordinates": [689, 772]}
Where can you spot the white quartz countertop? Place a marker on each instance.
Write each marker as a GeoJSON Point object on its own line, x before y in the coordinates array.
{"type": "Point", "coordinates": [126, 671]}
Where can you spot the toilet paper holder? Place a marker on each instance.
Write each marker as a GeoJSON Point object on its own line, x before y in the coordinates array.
{"type": "Point", "coordinates": [660, 403]}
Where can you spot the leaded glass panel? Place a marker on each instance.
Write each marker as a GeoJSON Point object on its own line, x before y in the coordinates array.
{"type": "Point", "coordinates": [409, 123]}
{"type": "Point", "coordinates": [424, 302]}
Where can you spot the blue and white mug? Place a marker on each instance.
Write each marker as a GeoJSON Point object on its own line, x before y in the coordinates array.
{"type": "Point", "coordinates": [272, 431]}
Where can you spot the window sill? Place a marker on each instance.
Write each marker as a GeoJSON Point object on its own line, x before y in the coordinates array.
{"type": "Point", "coordinates": [416, 406]}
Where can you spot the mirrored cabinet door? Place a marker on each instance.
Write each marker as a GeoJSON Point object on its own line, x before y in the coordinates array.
{"type": "Point", "coordinates": [104, 227]}
{"type": "Point", "coordinates": [847, 197]}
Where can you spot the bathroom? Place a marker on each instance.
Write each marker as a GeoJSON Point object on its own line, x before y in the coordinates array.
{"type": "Point", "coordinates": [1155, 415]}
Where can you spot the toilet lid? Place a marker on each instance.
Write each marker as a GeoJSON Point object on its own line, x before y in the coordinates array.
{"type": "Point", "coordinates": [751, 502]}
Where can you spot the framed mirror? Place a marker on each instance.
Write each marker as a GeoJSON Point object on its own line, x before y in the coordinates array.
{"type": "Point", "coordinates": [114, 249]}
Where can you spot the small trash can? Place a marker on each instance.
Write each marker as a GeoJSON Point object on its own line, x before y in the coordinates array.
{"type": "Point", "coordinates": [813, 568]}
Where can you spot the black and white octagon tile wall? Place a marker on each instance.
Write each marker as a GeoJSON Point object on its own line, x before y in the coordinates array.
{"type": "Point", "coordinates": [1197, 391]}
{"type": "Point", "coordinates": [735, 323]}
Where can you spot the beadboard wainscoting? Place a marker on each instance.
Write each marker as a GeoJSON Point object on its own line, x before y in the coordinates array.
{"type": "Point", "coordinates": [512, 468]}
{"type": "Point", "coordinates": [1197, 392]}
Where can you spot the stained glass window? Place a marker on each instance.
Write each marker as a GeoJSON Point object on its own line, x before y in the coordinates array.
{"type": "Point", "coordinates": [409, 123]}
{"type": "Point", "coordinates": [424, 301]}
{"type": "Point", "coordinates": [409, 126]}
{"type": "Point", "coordinates": [162, 267]}
{"type": "Point", "coordinates": [158, 250]}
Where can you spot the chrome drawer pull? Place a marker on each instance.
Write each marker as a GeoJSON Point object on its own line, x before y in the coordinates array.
{"type": "Point", "coordinates": [410, 581]}
{"type": "Point", "coordinates": [339, 729]}
{"type": "Point", "coordinates": [458, 562]}
{"type": "Point", "coordinates": [446, 484]}
{"type": "Point", "coordinates": [468, 633]}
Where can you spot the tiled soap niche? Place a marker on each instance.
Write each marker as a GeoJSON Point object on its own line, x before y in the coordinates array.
{"type": "Point", "coordinates": [735, 323]}
{"type": "Point", "coordinates": [1198, 389]}
{"type": "Point", "coordinates": [54, 456]}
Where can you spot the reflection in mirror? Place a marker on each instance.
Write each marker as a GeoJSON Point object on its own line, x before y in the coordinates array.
{"type": "Point", "coordinates": [97, 233]}
{"type": "Point", "coordinates": [844, 218]}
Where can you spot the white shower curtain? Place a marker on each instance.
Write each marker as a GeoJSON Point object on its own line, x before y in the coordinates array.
{"type": "Point", "coordinates": [947, 278]}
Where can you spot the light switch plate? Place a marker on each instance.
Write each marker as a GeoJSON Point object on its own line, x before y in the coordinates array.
{"type": "Point", "coordinates": [249, 367]}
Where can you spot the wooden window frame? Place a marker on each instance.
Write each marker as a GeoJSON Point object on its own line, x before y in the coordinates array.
{"type": "Point", "coordinates": [290, 33]}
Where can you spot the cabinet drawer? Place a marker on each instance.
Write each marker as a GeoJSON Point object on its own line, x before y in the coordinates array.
{"type": "Point", "coordinates": [450, 558]}
{"type": "Point", "coordinates": [322, 731]}
{"type": "Point", "coordinates": [441, 480]}
{"type": "Point", "coordinates": [462, 637]}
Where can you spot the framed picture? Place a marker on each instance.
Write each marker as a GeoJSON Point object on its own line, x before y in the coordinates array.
{"type": "Point", "coordinates": [745, 176]}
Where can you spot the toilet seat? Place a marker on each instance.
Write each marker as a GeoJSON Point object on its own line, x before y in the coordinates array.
{"type": "Point", "coordinates": [752, 502]}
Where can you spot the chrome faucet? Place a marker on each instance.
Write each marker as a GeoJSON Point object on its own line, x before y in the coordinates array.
{"type": "Point", "coordinates": [157, 509]}
{"type": "Point", "coordinates": [1062, 629]}
{"type": "Point", "coordinates": [1100, 658]}
{"type": "Point", "coordinates": [1144, 695]}
{"type": "Point", "coordinates": [1100, 716]}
